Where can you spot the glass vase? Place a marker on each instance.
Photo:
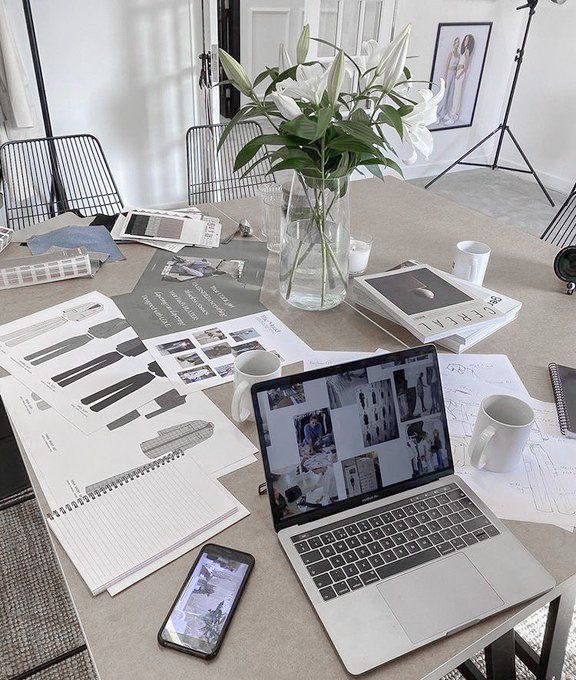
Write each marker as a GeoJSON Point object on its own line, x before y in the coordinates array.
{"type": "Point", "coordinates": [315, 243]}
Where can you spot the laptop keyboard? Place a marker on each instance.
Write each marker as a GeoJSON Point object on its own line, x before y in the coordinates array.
{"type": "Point", "coordinates": [353, 553]}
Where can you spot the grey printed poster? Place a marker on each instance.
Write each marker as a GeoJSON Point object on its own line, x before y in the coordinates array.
{"type": "Point", "coordinates": [159, 307]}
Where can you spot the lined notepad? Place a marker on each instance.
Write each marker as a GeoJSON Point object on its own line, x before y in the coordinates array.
{"type": "Point", "coordinates": [109, 534]}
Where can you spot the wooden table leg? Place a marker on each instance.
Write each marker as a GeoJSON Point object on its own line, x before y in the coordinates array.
{"type": "Point", "coordinates": [560, 613]}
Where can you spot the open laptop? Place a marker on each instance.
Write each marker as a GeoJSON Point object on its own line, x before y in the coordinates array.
{"type": "Point", "coordinates": [393, 550]}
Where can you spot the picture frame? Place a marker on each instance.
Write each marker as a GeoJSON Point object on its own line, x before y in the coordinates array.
{"type": "Point", "coordinates": [459, 57]}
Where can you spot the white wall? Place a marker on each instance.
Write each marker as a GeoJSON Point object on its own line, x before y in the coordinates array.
{"type": "Point", "coordinates": [545, 105]}
{"type": "Point", "coordinates": [122, 70]}
{"type": "Point", "coordinates": [425, 17]}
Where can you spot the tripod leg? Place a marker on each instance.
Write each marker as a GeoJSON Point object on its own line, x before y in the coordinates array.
{"type": "Point", "coordinates": [525, 157]}
{"type": "Point", "coordinates": [444, 172]}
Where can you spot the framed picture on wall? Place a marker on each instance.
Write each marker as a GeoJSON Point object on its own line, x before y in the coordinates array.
{"type": "Point", "coordinates": [459, 58]}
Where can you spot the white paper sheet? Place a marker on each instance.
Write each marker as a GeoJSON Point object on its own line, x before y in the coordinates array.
{"type": "Point", "coordinates": [71, 464]}
{"type": "Point", "coordinates": [42, 348]}
{"type": "Point", "coordinates": [543, 487]}
{"type": "Point", "coordinates": [203, 357]}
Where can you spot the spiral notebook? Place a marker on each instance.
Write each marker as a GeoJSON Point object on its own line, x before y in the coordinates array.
{"type": "Point", "coordinates": [564, 386]}
{"type": "Point", "coordinates": [115, 531]}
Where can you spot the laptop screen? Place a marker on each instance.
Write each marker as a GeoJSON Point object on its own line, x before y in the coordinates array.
{"type": "Point", "coordinates": [345, 435]}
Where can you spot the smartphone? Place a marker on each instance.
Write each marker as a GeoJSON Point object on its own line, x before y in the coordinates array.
{"type": "Point", "coordinates": [200, 616]}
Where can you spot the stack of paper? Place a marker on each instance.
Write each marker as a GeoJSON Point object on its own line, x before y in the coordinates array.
{"type": "Point", "coordinates": [126, 462]}
{"type": "Point", "coordinates": [435, 306]}
{"type": "Point", "coordinates": [168, 229]}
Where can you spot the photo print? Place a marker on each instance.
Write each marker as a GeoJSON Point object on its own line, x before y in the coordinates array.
{"type": "Point", "coordinates": [197, 374]}
{"type": "Point", "coordinates": [343, 387]}
{"type": "Point", "coordinates": [188, 360]}
{"type": "Point", "coordinates": [459, 58]}
{"type": "Point", "coordinates": [239, 349]}
{"type": "Point", "coordinates": [181, 268]}
{"type": "Point", "coordinates": [280, 397]}
{"type": "Point", "coordinates": [175, 346]}
{"type": "Point", "coordinates": [225, 371]}
{"type": "Point", "coordinates": [217, 351]}
{"type": "Point", "coordinates": [427, 444]}
{"type": "Point", "coordinates": [209, 335]}
{"type": "Point", "coordinates": [315, 437]}
{"type": "Point", "coordinates": [244, 334]}
{"type": "Point", "coordinates": [418, 391]}
{"type": "Point", "coordinates": [377, 413]}
{"type": "Point", "coordinates": [361, 474]}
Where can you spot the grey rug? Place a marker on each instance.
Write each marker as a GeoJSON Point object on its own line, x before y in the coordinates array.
{"type": "Point", "coordinates": [506, 196]}
{"type": "Point", "coordinates": [37, 618]}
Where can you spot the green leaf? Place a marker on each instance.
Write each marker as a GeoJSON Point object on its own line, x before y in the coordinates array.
{"type": "Point", "coordinates": [324, 120]}
{"type": "Point", "coordinates": [348, 143]}
{"type": "Point", "coordinates": [303, 126]}
{"type": "Point", "coordinates": [261, 77]}
{"type": "Point", "coordinates": [374, 170]}
{"type": "Point", "coordinates": [407, 73]}
{"type": "Point", "coordinates": [390, 116]}
{"type": "Point", "coordinates": [361, 131]}
{"type": "Point", "coordinates": [394, 166]}
{"type": "Point", "coordinates": [295, 164]}
{"type": "Point", "coordinates": [241, 114]}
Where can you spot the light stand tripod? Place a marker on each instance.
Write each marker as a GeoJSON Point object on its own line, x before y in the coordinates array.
{"type": "Point", "coordinates": [504, 128]}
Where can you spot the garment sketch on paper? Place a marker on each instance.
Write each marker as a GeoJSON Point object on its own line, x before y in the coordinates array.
{"type": "Point", "coordinates": [450, 80]}
{"type": "Point", "coordinates": [178, 438]}
{"type": "Point", "coordinates": [102, 331]}
{"type": "Point", "coordinates": [110, 395]}
{"type": "Point", "coordinates": [166, 402]}
{"type": "Point", "coordinates": [78, 313]}
{"type": "Point", "coordinates": [194, 432]}
{"type": "Point", "coordinates": [466, 50]}
{"type": "Point", "coordinates": [129, 348]}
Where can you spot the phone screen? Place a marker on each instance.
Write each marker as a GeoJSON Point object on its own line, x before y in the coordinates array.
{"type": "Point", "coordinates": [200, 615]}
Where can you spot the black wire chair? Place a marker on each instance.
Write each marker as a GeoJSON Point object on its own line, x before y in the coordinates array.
{"type": "Point", "coordinates": [44, 177]}
{"type": "Point", "coordinates": [211, 176]}
{"type": "Point", "coordinates": [562, 230]}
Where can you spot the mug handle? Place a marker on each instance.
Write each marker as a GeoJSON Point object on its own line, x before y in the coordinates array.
{"type": "Point", "coordinates": [479, 447]}
{"type": "Point", "coordinates": [239, 392]}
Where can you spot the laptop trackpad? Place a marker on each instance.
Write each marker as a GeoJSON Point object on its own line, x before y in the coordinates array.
{"type": "Point", "coordinates": [439, 597]}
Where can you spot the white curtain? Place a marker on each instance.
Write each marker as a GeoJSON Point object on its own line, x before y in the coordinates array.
{"type": "Point", "coordinates": [14, 101]}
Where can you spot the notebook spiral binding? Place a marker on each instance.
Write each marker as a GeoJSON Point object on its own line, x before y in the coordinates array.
{"type": "Point", "coordinates": [119, 481]}
{"type": "Point", "coordinates": [559, 398]}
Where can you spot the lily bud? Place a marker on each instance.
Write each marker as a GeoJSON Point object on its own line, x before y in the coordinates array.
{"type": "Point", "coordinates": [394, 59]}
{"type": "Point", "coordinates": [335, 78]}
{"type": "Point", "coordinates": [286, 105]}
{"type": "Point", "coordinates": [303, 45]}
{"type": "Point", "coordinates": [284, 61]}
{"type": "Point", "coordinates": [235, 73]}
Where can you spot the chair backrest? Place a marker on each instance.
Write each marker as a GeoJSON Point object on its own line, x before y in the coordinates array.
{"type": "Point", "coordinates": [562, 230]}
{"type": "Point", "coordinates": [50, 175]}
{"type": "Point", "coordinates": [211, 176]}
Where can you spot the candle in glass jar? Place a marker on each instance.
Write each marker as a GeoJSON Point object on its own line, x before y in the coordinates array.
{"type": "Point", "coordinates": [359, 256]}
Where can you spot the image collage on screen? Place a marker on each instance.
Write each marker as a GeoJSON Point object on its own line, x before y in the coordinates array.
{"type": "Point", "coordinates": [205, 603]}
{"type": "Point", "coordinates": [352, 433]}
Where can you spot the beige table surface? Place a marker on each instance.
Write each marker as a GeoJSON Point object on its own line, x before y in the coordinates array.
{"type": "Point", "coordinates": [275, 633]}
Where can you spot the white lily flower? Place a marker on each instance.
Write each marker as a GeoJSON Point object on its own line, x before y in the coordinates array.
{"type": "Point", "coordinates": [286, 105]}
{"type": "Point", "coordinates": [388, 61]}
{"type": "Point", "coordinates": [310, 84]}
{"type": "Point", "coordinates": [416, 123]}
{"type": "Point", "coordinates": [284, 61]}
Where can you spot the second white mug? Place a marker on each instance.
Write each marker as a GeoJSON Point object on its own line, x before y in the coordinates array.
{"type": "Point", "coordinates": [502, 429]}
{"type": "Point", "coordinates": [250, 368]}
{"type": "Point", "coordinates": [471, 261]}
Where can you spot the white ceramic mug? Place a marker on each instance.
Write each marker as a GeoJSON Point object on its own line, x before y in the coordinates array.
{"type": "Point", "coordinates": [250, 368]}
{"type": "Point", "coordinates": [471, 261]}
{"type": "Point", "coordinates": [501, 432]}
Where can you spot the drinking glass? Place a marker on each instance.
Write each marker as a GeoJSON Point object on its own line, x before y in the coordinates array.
{"type": "Point", "coordinates": [273, 219]}
{"type": "Point", "coordinates": [264, 191]}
